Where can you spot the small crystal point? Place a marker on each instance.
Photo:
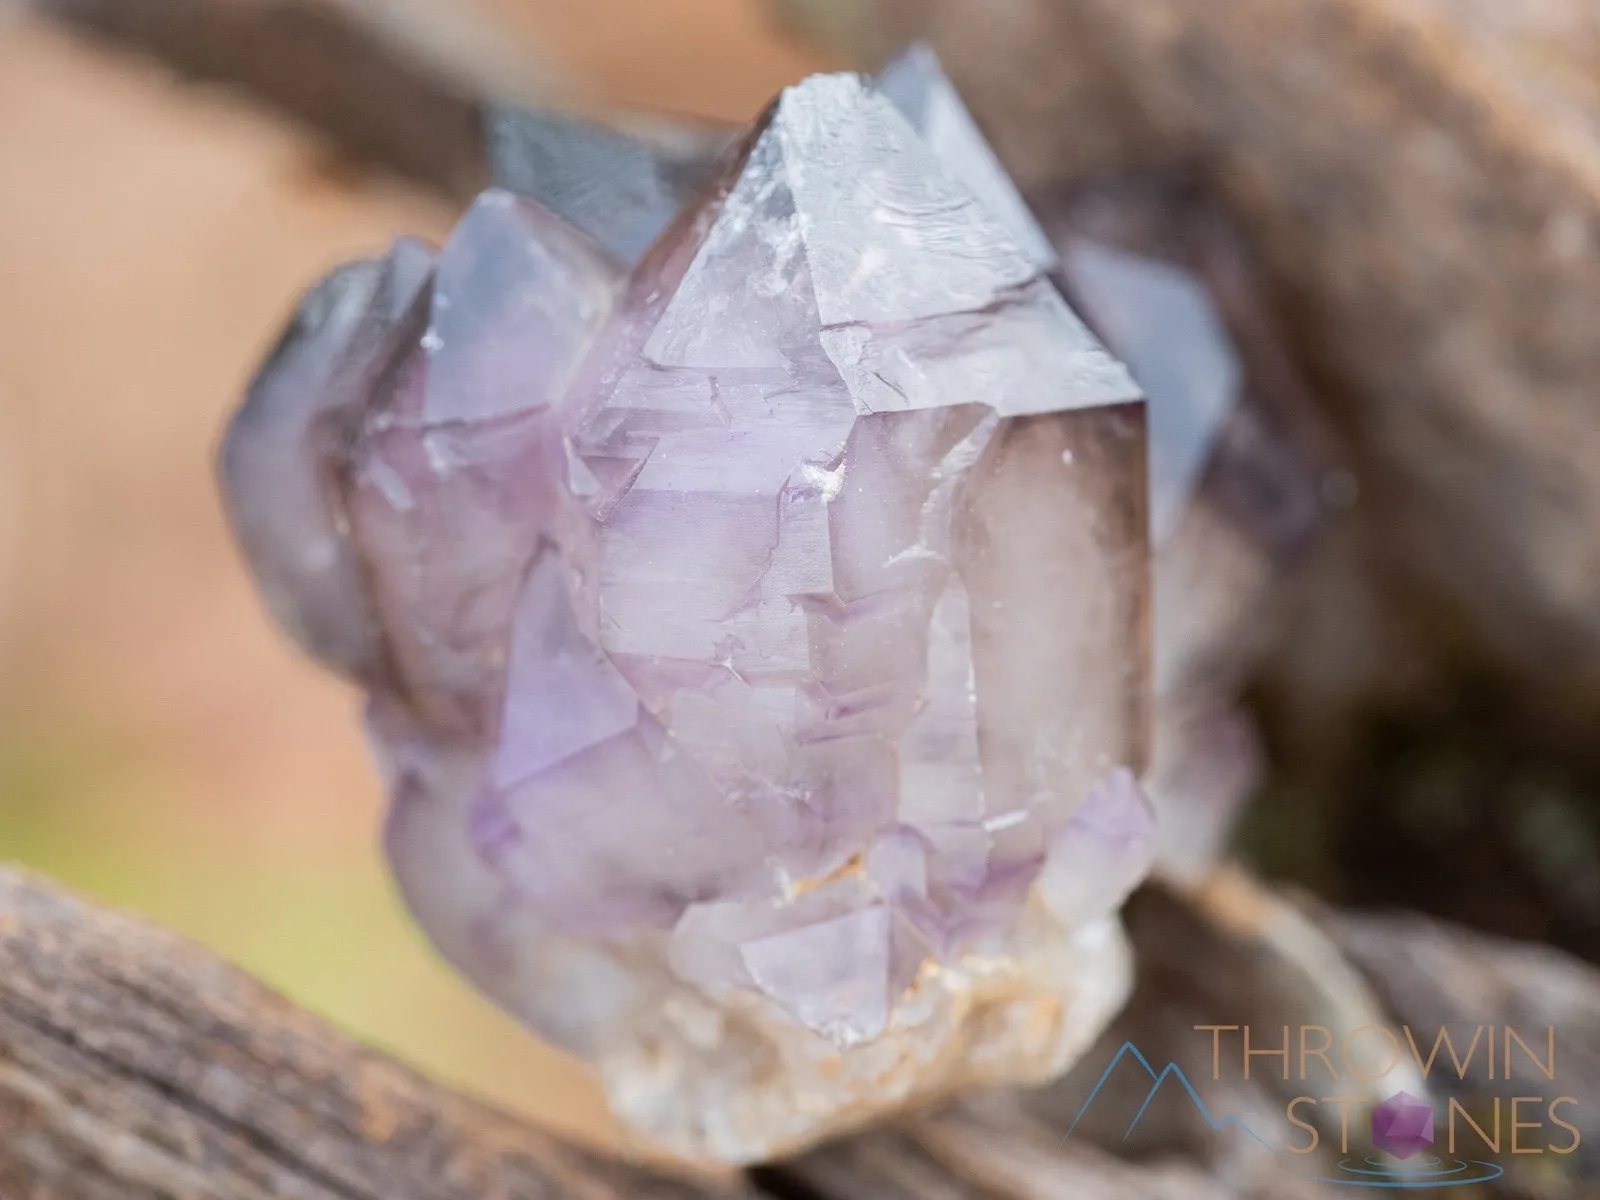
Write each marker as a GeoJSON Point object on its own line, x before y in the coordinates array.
{"type": "Point", "coordinates": [515, 302]}
{"type": "Point", "coordinates": [1104, 851]}
{"type": "Point", "coordinates": [620, 189]}
{"type": "Point", "coordinates": [916, 83]}
{"type": "Point", "coordinates": [563, 696]}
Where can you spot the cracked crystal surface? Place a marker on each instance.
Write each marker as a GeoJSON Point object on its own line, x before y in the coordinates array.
{"type": "Point", "coordinates": [756, 640]}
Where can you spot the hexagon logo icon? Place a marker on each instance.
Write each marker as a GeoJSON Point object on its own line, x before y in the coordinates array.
{"type": "Point", "coordinates": [1402, 1125]}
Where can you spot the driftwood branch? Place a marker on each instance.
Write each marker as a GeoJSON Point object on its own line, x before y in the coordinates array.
{"type": "Point", "coordinates": [134, 1065]}
{"type": "Point", "coordinates": [345, 77]}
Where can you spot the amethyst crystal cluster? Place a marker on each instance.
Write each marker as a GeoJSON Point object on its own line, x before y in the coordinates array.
{"type": "Point", "coordinates": [750, 582]}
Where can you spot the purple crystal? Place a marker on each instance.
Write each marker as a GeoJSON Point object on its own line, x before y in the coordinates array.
{"type": "Point", "coordinates": [277, 460]}
{"type": "Point", "coordinates": [515, 299]}
{"type": "Point", "coordinates": [764, 625]}
{"type": "Point", "coordinates": [1402, 1125]}
{"type": "Point", "coordinates": [1102, 853]}
{"type": "Point", "coordinates": [452, 468]}
{"type": "Point", "coordinates": [833, 976]}
{"type": "Point", "coordinates": [774, 566]}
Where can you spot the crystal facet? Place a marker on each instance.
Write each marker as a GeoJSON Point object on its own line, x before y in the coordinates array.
{"type": "Point", "coordinates": [622, 189]}
{"type": "Point", "coordinates": [916, 84]}
{"type": "Point", "coordinates": [758, 641]}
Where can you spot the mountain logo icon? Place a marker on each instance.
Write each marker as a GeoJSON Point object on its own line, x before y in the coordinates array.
{"type": "Point", "coordinates": [1373, 1172]}
{"type": "Point", "coordinates": [1171, 1073]}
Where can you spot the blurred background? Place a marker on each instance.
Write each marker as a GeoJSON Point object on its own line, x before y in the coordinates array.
{"type": "Point", "coordinates": [1418, 182]}
{"type": "Point", "coordinates": [161, 746]}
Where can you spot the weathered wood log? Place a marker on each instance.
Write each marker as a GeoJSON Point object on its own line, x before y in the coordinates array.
{"type": "Point", "coordinates": [339, 73]}
{"type": "Point", "coordinates": [134, 1064]}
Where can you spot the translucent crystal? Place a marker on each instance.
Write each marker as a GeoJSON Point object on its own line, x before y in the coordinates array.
{"type": "Point", "coordinates": [1159, 319]}
{"type": "Point", "coordinates": [1102, 853]}
{"type": "Point", "coordinates": [761, 638]}
{"type": "Point", "coordinates": [278, 457]}
{"type": "Point", "coordinates": [620, 188]}
{"type": "Point", "coordinates": [916, 84]}
{"type": "Point", "coordinates": [515, 299]}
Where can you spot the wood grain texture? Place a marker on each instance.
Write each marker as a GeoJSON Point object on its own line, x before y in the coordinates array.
{"type": "Point", "coordinates": [1438, 230]}
{"type": "Point", "coordinates": [134, 1065]}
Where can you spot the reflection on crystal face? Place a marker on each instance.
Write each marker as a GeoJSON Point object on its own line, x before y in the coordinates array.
{"type": "Point", "coordinates": [756, 630]}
